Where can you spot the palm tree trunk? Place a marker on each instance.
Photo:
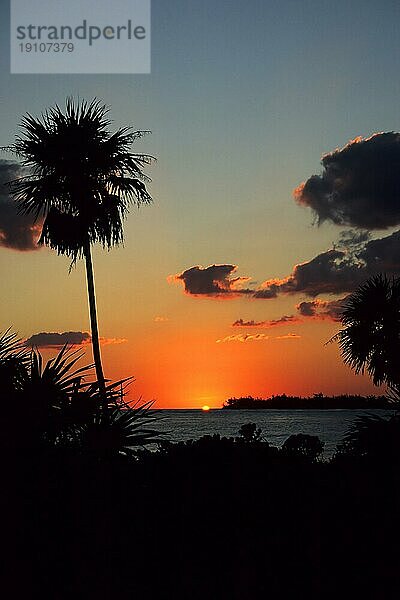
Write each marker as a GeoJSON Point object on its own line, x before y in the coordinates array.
{"type": "Point", "coordinates": [93, 322]}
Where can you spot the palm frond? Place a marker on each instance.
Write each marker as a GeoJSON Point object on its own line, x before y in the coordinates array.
{"type": "Point", "coordinates": [372, 436]}
{"type": "Point", "coordinates": [14, 360]}
{"type": "Point", "coordinates": [120, 430]}
{"type": "Point", "coordinates": [11, 346]}
{"type": "Point", "coordinates": [54, 383]}
{"type": "Point", "coordinates": [370, 339]}
{"type": "Point", "coordinates": [82, 178]}
{"type": "Point", "coordinates": [36, 396]}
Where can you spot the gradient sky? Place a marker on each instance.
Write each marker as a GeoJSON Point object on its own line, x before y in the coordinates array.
{"type": "Point", "coordinates": [243, 100]}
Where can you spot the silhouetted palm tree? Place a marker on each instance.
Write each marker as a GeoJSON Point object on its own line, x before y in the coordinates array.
{"type": "Point", "coordinates": [371, 336]}
{"type": "Point", "coordinates": [82, 179]}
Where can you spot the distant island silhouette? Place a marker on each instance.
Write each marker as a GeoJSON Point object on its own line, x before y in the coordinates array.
{"type": "Point", "coordinates": [314, 402]}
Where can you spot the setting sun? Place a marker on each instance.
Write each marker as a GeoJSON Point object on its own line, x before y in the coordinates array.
{"type": "Point", "coordinates": [206, 408]}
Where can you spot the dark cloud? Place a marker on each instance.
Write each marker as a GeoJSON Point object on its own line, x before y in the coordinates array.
{"type": "Point", "coordinates": [57, 340]}
{"type": "Point", "coordinates": [382, 255]}
{"type": "Point", "coordinates": [359, 185]}
{"type": "Point", "coordinates": [328, 273]}
{"type": "Point", "coordinates": [316, 310]}
{"type": "Point", "coordinates": [353, 239]}
{"type": "Point", "coordinates": [72, 338]}
{"type": "Point", "coordinates": [337, 271]}
{"type": "Point", "coordinates": [285, 320]}
{"type": "Point", "coordinates": [308, 308]}
{"type": "Point", "coordinates": [215, 281]}
{"type": "Point", "coordinates": [17, 232]}
{"type": "Point", "coordinates": [322, 309]}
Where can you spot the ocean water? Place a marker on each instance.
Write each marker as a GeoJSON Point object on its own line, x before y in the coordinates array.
{"type": "Point", "coordinates": [276, 425]}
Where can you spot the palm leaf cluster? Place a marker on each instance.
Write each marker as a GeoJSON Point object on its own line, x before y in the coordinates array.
{"type": "Point", "coordinates": [372, 436]}
{"type": "Point", "coordinates": [82, 178]}
{"type": "Point", "coordinates": [50, 404]}
{"type": "Point", "coordinates": [119, 430]}
{"type": "Point", "coordinates": [13, 360]}
{"type": "Point", "coordinates": [370, 339]}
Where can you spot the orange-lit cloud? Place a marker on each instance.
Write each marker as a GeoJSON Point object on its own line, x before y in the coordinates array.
{"type": "Point", "coordinates": [288, 336]}
{"type": "Point", "coordinates": [71, 338]}
{"type": "Point", "coordinates": [285, 320]}
{"type": "Point", "coordinates": [160, 319]}
{"type": "Point", "coordinates": [112, 341]}
{"type": "Point", "coordinates": [244, 337]}
{"type": "Point", "coordinates": [256, 337]}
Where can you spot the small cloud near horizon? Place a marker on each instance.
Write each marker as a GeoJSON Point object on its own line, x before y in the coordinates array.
{"type": "Point", "coordinates": [256, 337]}
{"type": "Point", "coordinates": [313, 310]}
{"type": "Point", "coordinates": [71, 338]}
{"type": "Point", "coordinates": [285, 320]}
{"type": "Point", "coordinates": [244, 337]}
{"type": "Point", "coordinates": [288, 336]}
{"type": "Point", "coordinates": [160, 319]}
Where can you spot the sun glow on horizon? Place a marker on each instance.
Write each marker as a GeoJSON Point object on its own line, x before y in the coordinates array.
{"type": "Point", "coordinates": [205, 408]}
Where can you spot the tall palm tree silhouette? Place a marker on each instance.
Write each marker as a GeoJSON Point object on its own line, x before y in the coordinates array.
{"type": "Point", "coordinates": [370, 338]}
{"type": "Point", "coordinates": [82, 179]}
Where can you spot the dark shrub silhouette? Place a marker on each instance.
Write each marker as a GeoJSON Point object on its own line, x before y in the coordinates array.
{"type": "Point", "coordinates": [304, 446]}
{"type": "Point", "coordinates": [372, 437]}
{"type": "Point", "coordinates": [249, 433]}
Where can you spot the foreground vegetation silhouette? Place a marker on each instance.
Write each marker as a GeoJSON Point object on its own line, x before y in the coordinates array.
{"type": "Point", "coordinates": [50, 407]}
{"type": "Point", "coordinates": [213, 518]}
{"type": "Point", "coordinates": [91, 513]}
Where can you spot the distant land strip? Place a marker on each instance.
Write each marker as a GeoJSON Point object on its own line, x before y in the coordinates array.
{"type": "Point", "coordinates": [315, 402]}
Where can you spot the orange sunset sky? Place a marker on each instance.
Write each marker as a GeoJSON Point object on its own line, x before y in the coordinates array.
{"type": "Point", "coordinates": [204, 301]}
